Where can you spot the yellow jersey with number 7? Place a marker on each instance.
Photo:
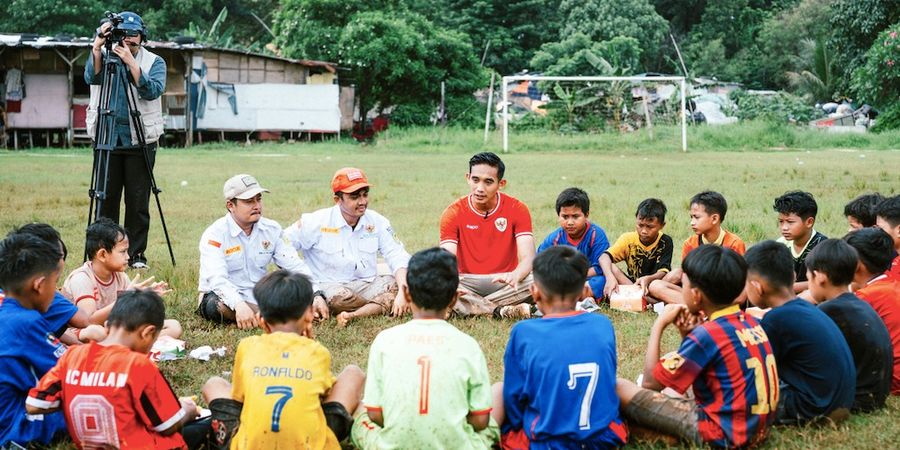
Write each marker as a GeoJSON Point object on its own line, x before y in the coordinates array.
{"type": "Point", "coordinates": [281, 379]}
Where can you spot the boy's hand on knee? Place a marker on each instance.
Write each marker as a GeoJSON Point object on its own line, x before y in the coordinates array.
{"type": "Point", "coordinates": [320, 308]}
{"type": "Point", "coordinates": [244, 316]}
{"type": "Point", "coordinates": [400, 306]}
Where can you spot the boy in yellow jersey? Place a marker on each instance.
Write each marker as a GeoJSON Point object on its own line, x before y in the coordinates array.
{"type": "Point", "coordinates": [428, 384]}
{"type": "Point", "coordinates": [283, 378]}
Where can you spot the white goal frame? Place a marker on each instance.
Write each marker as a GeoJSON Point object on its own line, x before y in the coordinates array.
{"type": "Point", "coordinates": [507, 80]}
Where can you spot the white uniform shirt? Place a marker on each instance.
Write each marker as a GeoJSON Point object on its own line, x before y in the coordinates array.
{"type": "Point", "coordinates": [337, 253]}
{"type": "Point", "coordinates": [231, 262]}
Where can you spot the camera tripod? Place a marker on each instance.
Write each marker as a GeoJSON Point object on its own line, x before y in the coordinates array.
{"type": "Point", "coordinates": [115, 82]}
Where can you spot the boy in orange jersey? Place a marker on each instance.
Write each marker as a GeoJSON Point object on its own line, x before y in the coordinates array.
{"type": "Point", "coordinates": [708, 210]}
{"type": "Point", "coordinates": [110, 391]}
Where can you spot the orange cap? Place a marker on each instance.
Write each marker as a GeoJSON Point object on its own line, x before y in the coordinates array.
{"type": "Point", "coordinates": [349, 179]}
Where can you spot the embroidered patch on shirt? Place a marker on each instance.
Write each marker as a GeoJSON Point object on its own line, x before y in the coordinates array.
{"type": "Point", "coordinates": [214, 243]}
{"type": "Point", "coordinates": [370, 228]}
{"type": "Point", "coordinates": [330, 230]}
{"type": "Point", "coordinates": [672, 362]}
{"type": "Point", "coordinates": [266, 244]}
{"type": "Point", "coordinates": [234, 249]}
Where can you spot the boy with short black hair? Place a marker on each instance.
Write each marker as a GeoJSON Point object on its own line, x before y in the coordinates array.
{"type": "Point", "coordinates": [873, 286]}
{"type": "Point", "coordinates": [29, 271]}
{"type": "Point", "coordinates": [796, 219]}
{"type": "Point", "coordinates": [887, 217]}
{"type": "Point", "coordinates": [94, 286]}
{"type": "Point", "coordinates": [110, 391]}
{"type": "Point", "coordinates": [647, 251]}
{"type": "Point", "coordinates": [575, 404]}
{"type": "Point", "coordinates": [428, 384]}
{"type": "Point", "coordinates": [831, 268]}
{"type": "Point", "coordinates": [727, 360]}
{"type": "Point", "coordinates": [575, 229]}
{"type": "Point", "coordinates": [707, 212]}
{"type": "Point", "coordinates": [815, 367]}
{"type": "Point", "coordinates": [62, 313]}
{"type": "Point", "coordinates": [860, 212]}
{"type": "Point", "coordinates": [283, 378]}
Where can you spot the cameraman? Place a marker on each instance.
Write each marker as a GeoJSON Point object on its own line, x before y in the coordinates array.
{"type": "Point", "coordinates": [146, 73]}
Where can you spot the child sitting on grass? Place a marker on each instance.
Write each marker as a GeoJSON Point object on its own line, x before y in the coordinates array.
{"type": "Point", "coordinates": [707, 211]}
{"type": "Point", "coordinates": [428, 384]}
{"type": "Point", "coordinates": [550, 398]}
{"type": "Point", "coordinates": [112, 395]}
{"type": "Point", "coordinates": [62, 314]}
{"type": "Point", "coordinates": [727, 360]}
{"type": "Point", "coordinates": [646, 251]}
{"type": "Point", "coordinates": [831, 268]}
{"type": "Point", "coordinates": [796, 220]}
{"type": "Point", "coordinates": [887, 216]}
{"type": "Point", "coordinates": [95, 286]}
{"type": "Point", "coordinates": [873, 286]}
{"type": "Point", "coordinates": [283, 378]}
{"type": "Point", "coordinates": [29, 271]}
{"type": "Point", "coordinates": [818, 378]}
{"type": "Point", "coordinates": [860, 212]}
{"type": "Point", "coordinates": [575, 229]}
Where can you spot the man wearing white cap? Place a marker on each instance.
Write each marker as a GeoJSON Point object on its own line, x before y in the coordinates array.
{"type": "Point", "coordinates": [341, 245]}
{"type": "Point", "coordinates": [235, 252]}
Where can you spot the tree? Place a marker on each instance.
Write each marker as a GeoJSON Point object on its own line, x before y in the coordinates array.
{"type": "Point", "coordinates": [855, 25]}
{"type": "Point", "coordinates": [602, 20]}
{"type": "Point", "coordinates": [75, 17]}
{"type": "Point", "coordinates": [574, 55]}
{"type": "Point", "coordinates": [816, 82]}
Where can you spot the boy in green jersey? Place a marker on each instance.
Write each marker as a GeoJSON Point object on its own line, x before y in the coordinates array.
{"type": "Point", "coordinates": [428, 384]}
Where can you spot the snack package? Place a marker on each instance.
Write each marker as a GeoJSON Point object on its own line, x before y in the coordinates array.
{"type": "Point", "coordinates": [166, 349]}
{"type": "Point", "coordinates": [629, 297]}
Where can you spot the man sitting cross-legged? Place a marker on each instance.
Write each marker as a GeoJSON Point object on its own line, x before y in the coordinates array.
{"type": "Point", "coordinates": [490, 234]}
{"type": "Point", "coordinates": [341, 246]}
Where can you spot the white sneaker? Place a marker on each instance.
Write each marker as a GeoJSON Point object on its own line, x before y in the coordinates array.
{"type": "Point", "coordinates": [140, 265]}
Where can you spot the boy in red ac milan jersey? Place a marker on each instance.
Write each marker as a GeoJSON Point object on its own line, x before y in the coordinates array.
{"type": "Point", "coordinates": [110, 391]}
{"type": "Point", "coordinates": [490, 234]}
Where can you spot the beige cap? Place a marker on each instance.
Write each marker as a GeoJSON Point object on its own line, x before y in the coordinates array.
{"type": "Point", "coordinates": [242, 186]}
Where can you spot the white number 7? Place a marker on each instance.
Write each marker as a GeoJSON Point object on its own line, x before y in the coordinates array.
{"type": "Point", "coordinates": [590, 370]}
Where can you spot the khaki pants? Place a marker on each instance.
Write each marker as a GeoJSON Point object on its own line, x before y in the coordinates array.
{"type": "Point", "coordinates": [482, 295]}
{"type": "Point", "coordinates": [351, 296]}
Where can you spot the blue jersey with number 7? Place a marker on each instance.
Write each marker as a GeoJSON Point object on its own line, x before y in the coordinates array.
{"type": "Point", "coordinates": [560, 382]}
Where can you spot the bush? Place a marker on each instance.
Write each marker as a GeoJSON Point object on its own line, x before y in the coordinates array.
{"type": "Point", "coordinates": [878, 80]}
{"type": "Point", "coordinates": [781, 107]}
{"type": "Point", "coordinates": [889, 119]}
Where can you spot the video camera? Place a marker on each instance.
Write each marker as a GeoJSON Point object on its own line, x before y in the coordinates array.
{"type": "Point", "coordinates": [117, 32]}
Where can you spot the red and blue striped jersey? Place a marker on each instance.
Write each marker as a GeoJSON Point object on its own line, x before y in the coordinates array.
{"type": "Point", "coordinates": [730, 364]}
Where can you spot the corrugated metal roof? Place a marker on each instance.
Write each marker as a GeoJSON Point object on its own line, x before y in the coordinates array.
{"type": "Point", "coordinates": [26, 40]}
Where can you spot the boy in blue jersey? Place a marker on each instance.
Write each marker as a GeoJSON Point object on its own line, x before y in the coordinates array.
{"type": "Point", "coordinates": [575, 229]}
{"type": "Point", "coordinates": [29, 271]}
{"type": "Point", "coordinates": [554, 399]}
{"type": "Point", "coordinates": [727, 360]}
{"type": "Point", "coordinates": [62, 314]}
{"type": "Point", "coordinates": [815, 366]}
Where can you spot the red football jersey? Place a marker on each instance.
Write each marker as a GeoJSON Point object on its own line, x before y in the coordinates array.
{"type": "Point", "coordinates": [486, 243]}
{"type": "Point", "coordinates": [111, 395]}
{"type": "Point", "coordinates": [883, 293]}
{"type": "Point", "coordinates": [894, 270]}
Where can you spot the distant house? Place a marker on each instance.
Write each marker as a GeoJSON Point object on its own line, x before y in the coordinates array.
{"type": "Point", "coordinates": [210, 91]}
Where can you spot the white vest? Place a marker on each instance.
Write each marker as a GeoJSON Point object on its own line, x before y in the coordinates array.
{"type": "Point", "coordinates": [151, 110]}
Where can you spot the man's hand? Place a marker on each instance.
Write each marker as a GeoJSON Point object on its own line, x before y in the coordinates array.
{"type": "Point", "coordinates": [610, 286]}
{"type": "Point", "coordinates": [644, 283]}
{"type": "Point", "coordinates": [124, 53]}
{"type": "Point", "coordinates": [102, 34]}
{"type": "Point", "coordinates": [245, 316]}
{"type": "Point", "coordinates": [320, 308]}
{"type": "Point", "coordinates": [401, 305]}
{"type": "Point", "coordinates": [509, 278]}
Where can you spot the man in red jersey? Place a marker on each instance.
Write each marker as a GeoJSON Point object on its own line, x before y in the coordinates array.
{"type": "Point", "coordinates": [490, 234]}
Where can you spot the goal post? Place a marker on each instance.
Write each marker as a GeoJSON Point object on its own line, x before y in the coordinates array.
{"type": "Point", "coordinates": [509, 79]}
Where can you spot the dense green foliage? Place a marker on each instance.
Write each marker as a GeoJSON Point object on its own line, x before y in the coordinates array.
{"type": "Point", "coordinates": [781, 107]}
{"type": "Point", "coordinates": [398, 51]}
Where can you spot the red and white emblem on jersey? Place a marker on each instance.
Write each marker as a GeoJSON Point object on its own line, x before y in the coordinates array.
{"type": "Point", "coordinates": [500, 223]}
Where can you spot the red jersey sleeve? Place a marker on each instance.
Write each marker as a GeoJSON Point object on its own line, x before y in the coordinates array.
{"type": "Point", "coordinates": [522, 223]}
{"type": "Point", "coordinates": [679, 369]}
{"type": "Point", "coordinates": [156, 402]}
{"type": "Point", "coordinates": [449, 224]}
{"type": "Point", "coordinates": [48, 393]}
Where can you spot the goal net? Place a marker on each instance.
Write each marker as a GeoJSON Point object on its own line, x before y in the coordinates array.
{"type": "Point", "coordinates": [594, 103]}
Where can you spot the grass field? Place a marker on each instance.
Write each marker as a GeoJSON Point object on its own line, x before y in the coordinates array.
{"type": "Point", "coordinates": [416, 173]}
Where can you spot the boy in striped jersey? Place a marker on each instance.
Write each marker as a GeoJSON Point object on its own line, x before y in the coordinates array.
{"type": "Point", "coordinates": [727, 360]}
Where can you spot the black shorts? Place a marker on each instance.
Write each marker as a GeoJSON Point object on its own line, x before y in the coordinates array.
{"type": "Point", "coordinates": [209, 308]}
{"type": "Point", "coordinates": [338, 419]}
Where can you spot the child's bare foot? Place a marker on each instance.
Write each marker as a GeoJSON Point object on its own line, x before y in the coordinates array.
{"type": "Point", "coordinates": [344, 318]}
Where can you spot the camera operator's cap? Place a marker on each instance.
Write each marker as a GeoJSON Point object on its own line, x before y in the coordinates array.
{"type": "Point", "coordinates": [348, 180]}
{"type": "Point", "coordinates": [242, 186]}
{"type": "Point", "coordinates": [131, 21]}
